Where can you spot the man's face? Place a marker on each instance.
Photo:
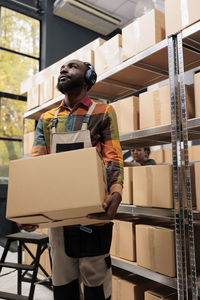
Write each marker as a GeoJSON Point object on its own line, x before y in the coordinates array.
{"type": "Point", "coordinates": [72, 76]}
{"type": "Point", "coordinates": [138, 154]}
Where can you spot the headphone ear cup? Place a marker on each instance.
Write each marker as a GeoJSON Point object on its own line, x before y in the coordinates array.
{"type": "Point", "coordinates": [90, 75]}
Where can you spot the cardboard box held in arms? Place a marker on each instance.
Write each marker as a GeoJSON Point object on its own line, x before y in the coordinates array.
{"type": "Point", "coordinates": [57, 189]}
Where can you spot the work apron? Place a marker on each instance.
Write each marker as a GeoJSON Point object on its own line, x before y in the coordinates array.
{"type": "Point", "coordinates": [94, 270]}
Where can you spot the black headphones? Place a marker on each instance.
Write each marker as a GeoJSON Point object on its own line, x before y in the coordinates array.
{"type": "Point", "coordinates": [90, 75]}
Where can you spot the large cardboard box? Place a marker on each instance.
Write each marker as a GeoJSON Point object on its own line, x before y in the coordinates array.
{"type": "Point", "coordinates": [108, 55]}
{"type": "Point", "coordinates": [149, 183]}
{"type": "Point", "coordinates": [180, 14]}
{"type": "Point", "coordinates": [123, 240]}
{"type": "Point", "coordinates": [197, 94]}
{"type": "Point", "coordinates": [194, 153]}
{"type": "Point", "coordinates": [61, 188]}
{"type": "Point", "coordinates": [161, 293]}
{"type": "Point", "coordinates": [143, 33]}
{"type": "Point", "coordinates": [129, 287]}
{"type": "Point", "coordinates": [127, 195]}
{"type": "Point", "coordinates": [154, 106]}
{"type": "Point", "coordinates": [127, 111]}
{"type": "Point", "coordinates": [155, 248]}
{"type": "Point", "coordinates": [28, 142]}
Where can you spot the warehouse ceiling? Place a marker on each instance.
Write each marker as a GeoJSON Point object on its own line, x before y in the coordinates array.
{"type": "Point", "coordinates": [125, 10]}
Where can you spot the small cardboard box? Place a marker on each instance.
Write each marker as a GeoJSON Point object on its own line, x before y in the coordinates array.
{"type": "Point", "coordinates": [149, 183]}
{"type": "Point", "coordinates": [154, 106]}
{"type": "Point", "coordinates": [127, 111]}
{"type": "Point", "coordinates": [108, 55]}
{"type": "Point", "coordinates": [28, 142]}
{"type": "Point", "coordinates": [127, 195]}
{"type": "Point", "coordinates": [180, 14]}
{"type": "Point", "coordinates": [197, 94]}
{"type": "Point", "coordinates": [123, 241]}
{"type": "Point", "coordinates": [60, 189]}
{"type": "Point", "coordinates": [161, 293]}
{"type": "Point", "coordinates": [143, 33]}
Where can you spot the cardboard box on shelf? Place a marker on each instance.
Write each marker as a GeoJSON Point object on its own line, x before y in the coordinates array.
{"type": "Point", "coordinates": [127, 111]}
{"type": "Point", "coordinates": [33, 97]}
{"type": "Point", "coordinates": [158, 156]}
{"type": "Point", "coordinates": [127, 195]}
{"type": "Point", "coordinates": [143, 33]}
{"type": "Point", "coordinates": [154, 106]}
{"type": "Point", "coordinates": [39, 197]}
{"type": "Point", "coordinates": [167, 155]}
{"type": "Point", "coordinates": [149, 183]}
{"type": "Point", "coordinates": [108, 55]}
{"type": "Point", "coordinates": [197, 94]}
{"type": "Point", "coordinates": [130, 287]}
{"type": "Point", "coordinates": [46, 89]}
{"type": "Point", "coordinates": [155, 248]}
{"type": "Point", "coordinates": [123, 241]}
{"type": "Point", "coordinates": [197, 186]}
{"type": "Point", "coordinates": [180, 14]}
{"type": "Point", "coordinates": [194, 153]}
{"type": "Point", "coordinates": [41, 76]}
{"type": "Point", "coordinates": [28, 142]}
{"type": "Point", "coordinates": [162, 292]}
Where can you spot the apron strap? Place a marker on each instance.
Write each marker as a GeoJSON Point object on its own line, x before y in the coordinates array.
{"type": "Point", "coordinates": [85, 119]}
{"type": "Point", "coordinates": [87, 116]}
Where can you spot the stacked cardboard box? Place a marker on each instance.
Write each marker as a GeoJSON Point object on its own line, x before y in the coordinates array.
{"type": "Point", "coordinates": [127, 111]}
{"type": "Point", "coordinates": [127, 196]}
{"type": "Point", "coordinates": [108, 55]}
{"type": "Point", "coordinates": [154, 106]}
{"type": "Point", "coordinates": [180, 14]}
{"type": "Point", "coordinates": [143, 33]}
{"type": "Point", "coordinates": [161, 292]}
{"type": "Point", "coordinates": [158, 156]}
{"type": "Point", "coordinates": [123, 241]}
{"type": "Point", "coordinates": [28, 142]}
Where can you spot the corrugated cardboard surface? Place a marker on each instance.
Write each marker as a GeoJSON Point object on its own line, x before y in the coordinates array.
{"type": "Point", "coordinates": [108, 55]}
{"type": "Point", "coordinates": [155, 106]}
{"type": "Point", "coordinates": [46, 89]}
{"type": "Point", "coordinates": [123, 240]}
{"type": "Point", "coordinates": [127, 111]}
{"type": "Point", "coordinates": [155, 249]}
{"type": "Point", "coordinates": [197, 94]}
{"type": "Point", "coordinates": [28, 142]}
{"type": "Point", "coordinates": [162, 292]}
{"type": "Point", "coordinates": [33, 97]}
{"type": "Point", "coordinates": [143, 33]}
{"type": "Point", "coordinates": [127, 194]}
{"type": "Point", "coordinates": [62, 186]}
{"type": "Point", "coordinates": [158, 156]}
{"type": "Point", "coordinates": [180, 14]}
{"type": "Point", "coordinates": [152, 186]}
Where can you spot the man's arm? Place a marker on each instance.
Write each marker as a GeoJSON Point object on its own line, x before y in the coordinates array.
{"type": "Point", "coordinates": [113, 158]}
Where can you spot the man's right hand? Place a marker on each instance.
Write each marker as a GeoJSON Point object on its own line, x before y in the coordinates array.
{"type": "Point", "coordinates": [28, 227]}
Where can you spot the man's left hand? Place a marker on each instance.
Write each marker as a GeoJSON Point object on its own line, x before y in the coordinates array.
{"type": "Point", "coordinates": [110, 205]}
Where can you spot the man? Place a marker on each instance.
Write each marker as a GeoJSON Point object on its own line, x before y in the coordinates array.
{"type": "Point", "coordinates": [94, 267]}
{"type": "Point", "coordinates": [141, 156]}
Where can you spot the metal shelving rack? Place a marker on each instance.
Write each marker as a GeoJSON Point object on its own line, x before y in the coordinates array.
{"type": "Point", "coordinates": [162, 61]}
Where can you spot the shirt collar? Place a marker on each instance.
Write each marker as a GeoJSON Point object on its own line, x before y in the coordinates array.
{"type": "Point", "coordinates": [86, 101]}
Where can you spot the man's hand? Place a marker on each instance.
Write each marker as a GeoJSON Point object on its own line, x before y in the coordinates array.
{"type": "Point", "coordinates": [28, 227]}
{"type": "Point", "coordinates": [110, 205]}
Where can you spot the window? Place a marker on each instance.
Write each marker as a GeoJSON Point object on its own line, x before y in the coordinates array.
{"type": "Point", "coordinates": [19, 59]}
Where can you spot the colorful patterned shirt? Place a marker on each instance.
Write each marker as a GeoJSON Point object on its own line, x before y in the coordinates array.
{"type": "Point", "coordinates": [103, 130]}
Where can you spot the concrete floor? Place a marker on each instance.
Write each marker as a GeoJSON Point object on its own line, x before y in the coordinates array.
{"type": "Point", "coordinates": [8, 283]}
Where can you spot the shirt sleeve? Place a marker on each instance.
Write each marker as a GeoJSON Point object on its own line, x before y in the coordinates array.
{"type": "Point", "coordinates": [39, 146]}
{"type": "Point", "coordinates": [111, 151]}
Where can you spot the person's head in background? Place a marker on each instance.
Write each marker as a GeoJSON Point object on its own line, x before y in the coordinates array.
{"type": "Point", "coordinates": [140, 155]}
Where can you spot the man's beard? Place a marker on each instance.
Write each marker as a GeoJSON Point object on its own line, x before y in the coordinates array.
{"type": "Point", "coordinates": [68, 85]}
